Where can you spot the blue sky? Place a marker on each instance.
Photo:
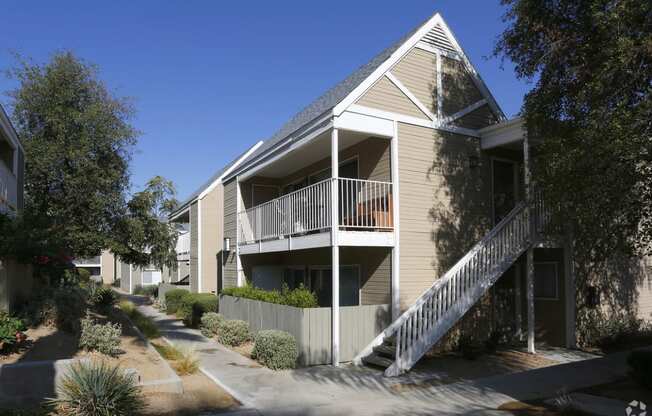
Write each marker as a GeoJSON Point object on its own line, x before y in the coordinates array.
{"type": "Point", "coordinates": [209, 78]}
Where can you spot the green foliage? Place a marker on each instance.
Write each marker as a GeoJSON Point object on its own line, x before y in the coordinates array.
{"type": "Point", "coordinates": [98, 389]}
{"type": "Point", "coordinates": [78, 139]}
{"type": "Point", "coordinates": [299, 297]}
{"type": "Point", "coordinates": [144, 323]}
{"type": "Point", "coordinates": [194, 305]}
{"type": "Point", "coordinates": [66, 308]}
{"type": "Point", "coordinates": [210, 323]}
{"type": "Point", "coordinates": [146, 290]}
{"type": "Point", "coordinates": [640, 365]}
{"type": "Point", "coordinates": [275, 349]}
{"type": "Point", "coordinates": [9, 326]}
{"type": "Point", "coordinates": [103, 298]}
{"type": "Point", "coordinates": [469, 347]}
{"type": "Point", "coordinates": [143, 236]}
{"type": "Point", "coordinates": [173, 300]}
{"type": "Point", "coordinates": [233, 332]}
{"type": "Point", "coordinates": [104, 338]}
{"type": "Point", "coordinates": [168, 352]}
{"type": "Point", "coordinates": [84, 275]}
{"type": "Point", "coordinates": [590, 109]}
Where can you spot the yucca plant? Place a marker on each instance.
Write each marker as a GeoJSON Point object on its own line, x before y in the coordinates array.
{"type": "Point", "coordinates": [98, 389]}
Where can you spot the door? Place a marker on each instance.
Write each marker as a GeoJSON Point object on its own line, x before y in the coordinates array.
{"type": "Point", "coordinates": [504, 188]}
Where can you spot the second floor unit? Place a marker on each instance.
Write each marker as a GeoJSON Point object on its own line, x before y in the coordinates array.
{"type": "Point", "coordinates": [12, 167]}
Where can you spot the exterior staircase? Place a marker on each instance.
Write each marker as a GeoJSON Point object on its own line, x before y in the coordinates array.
{"type": "Point", "coordinates": [440, 307]}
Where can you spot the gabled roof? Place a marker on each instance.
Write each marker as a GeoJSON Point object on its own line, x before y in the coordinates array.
{"type": "Point", "coordinates": [215, 179]}
{"type": "Point", "coordinates": [350, 87]}
{"type": "Point", "coordinates": [8, 128]}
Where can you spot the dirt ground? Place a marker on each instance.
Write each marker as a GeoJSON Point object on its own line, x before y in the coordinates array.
{"type": "Point", "coordinates": [48, 343]}
{"type": "Point", "coordinates": [624, 390]}
{"type": "Point", "coordinates": [200, 395]}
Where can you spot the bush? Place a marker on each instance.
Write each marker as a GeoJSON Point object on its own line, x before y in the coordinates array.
{"type": "Point", "coordinates": [233, 332]}
{"type": "Point", "coordinates": [83, 275]}
{"type": "Point", "coordinates": [103, 298]}
{"type": "Point", "coordinates": [144, 323]}
{"type": "Point", "coordinates": [275, 349]}
{"type": "Point", "coordinates": [97, 389]}
{"type": "Point", "coordinates": [640, 363]}
{"type": "Point", "coordinates": [147, 290]}
{"type": "Point", "coordinates": [65, 308]}
{"type": "Point", "coordinates": [9, 328]}
{"type": "Point", "coordinates": [299, 297]}
{"type": "Point", "coordinates": [210, 323]}
{"type": "Point", "coordinates": [104, 338]}
{"type": "Point", "coordinates": [194, 305]}
{"type": "Point", "coordinates": [173, 300]}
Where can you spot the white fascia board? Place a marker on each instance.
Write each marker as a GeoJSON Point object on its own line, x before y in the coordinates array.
{"type": "Point", "coordinates": [229, 170]}
{"type": "Point", "coordinates": [363, 123]}
{"type": "Point", "coordinates": [9, 130]}
{"type": "Point", "coordinates": [385, 66]}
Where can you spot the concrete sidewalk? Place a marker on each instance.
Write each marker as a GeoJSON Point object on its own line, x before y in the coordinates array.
{"type": "Point", "coordinates": [324, 390]}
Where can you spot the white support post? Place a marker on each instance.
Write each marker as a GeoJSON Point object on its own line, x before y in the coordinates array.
{"type": "Point", "coordinates": [335, 270]}
{"type": "Point", "coordinates": [199, 247]}
{"type": "Point", "coordinates": [396, 251]}
{"type": "Point", "coordinates": [238, 207]}
{"type": "Point", "coordinates": [529, 263]}
{"type": "Point", "coordinates": [569, 279]}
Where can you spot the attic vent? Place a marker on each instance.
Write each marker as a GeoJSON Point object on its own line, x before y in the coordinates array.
{"type": "Point", "coordinates": [437, 38]}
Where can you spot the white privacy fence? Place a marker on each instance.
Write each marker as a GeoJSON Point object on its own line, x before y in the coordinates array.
{"type": "Point", "coordinates": [362, 205]}
{"type": "Point", "coordinates": [183, 246]}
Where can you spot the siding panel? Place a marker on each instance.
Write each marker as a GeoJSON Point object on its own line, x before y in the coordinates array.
{"type": "Point", "coordinates": [194, 247]}
{"type": "Point", "coordinates": [386, 96]}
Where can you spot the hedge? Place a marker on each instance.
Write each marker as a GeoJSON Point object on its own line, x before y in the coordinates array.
{"type": "Point", "coordinates": [194, 305]}
{"type": "Point", "coordinates": [275, 349]}
{"type": "Point", "coordinates": [299, 297]}
{"type": "Point", "coordinates": [233, 332]}
{"type": "Point", "coordinates": [173, 300]}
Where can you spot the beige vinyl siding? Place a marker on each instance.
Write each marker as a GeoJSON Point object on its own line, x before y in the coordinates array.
{"type": "Point", "coordinates": [386, 96]}
{"type": "Point", "coordinates": [230, 206]}
{"type": "Point", "coordinates": [20, 180]}
{"type": "Point", "coordinates": [459, 90]}
{"type": "Point", "coordinates": [124, 276]}
{"type": "Point", "coordinates": [477, 119]}
{"type": "Point", "coordinates": [445, 205]}
{"type": "Point", "coordinates": [418, 72]}
{"type": "Point", "coordinates": [212, 221]}
{"type": "Point", "coordinates": [194, 246]}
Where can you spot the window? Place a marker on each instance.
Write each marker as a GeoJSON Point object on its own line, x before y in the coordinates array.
{"type": "Point", "coordinates": [294, 277]}
{"type": "Point", "coordinates": [321, 283]}
{"type": "Point", "coordinates": [7, 154]}
{"type": "Point", "coordinates": [546, 281]}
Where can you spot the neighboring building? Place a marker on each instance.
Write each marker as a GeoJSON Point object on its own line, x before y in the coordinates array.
{"type": "Point", "coordinates": [102, 267]}
{"type": "Point", "coordinates": [15, 278]}
{"type": "Point", "coordinates": [200, 247]}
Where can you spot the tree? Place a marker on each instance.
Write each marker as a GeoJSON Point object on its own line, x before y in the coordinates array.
{"type": "Point", "coordinates": [78, 141]}
{"type": "Point", "coordinates": [143, 236]}
{"type": "Point", "coordinates": [591, 105]}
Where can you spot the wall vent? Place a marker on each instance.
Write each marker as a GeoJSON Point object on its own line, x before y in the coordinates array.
{"type": "Point", "coordinates": [437, 38]}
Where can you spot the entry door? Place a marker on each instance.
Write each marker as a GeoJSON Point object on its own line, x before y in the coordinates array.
{"type": "Point", "coordinates": [504, 186]}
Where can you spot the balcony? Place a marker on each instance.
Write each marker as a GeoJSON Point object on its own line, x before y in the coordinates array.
{"type": "Point", "coordinates": [8, 190]}
{"type": "Point", "coordinates": [87, 262]}
{"type": "Point", "coordinates": [303, 218]}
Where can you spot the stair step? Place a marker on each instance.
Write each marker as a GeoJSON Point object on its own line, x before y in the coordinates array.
{"type": "Point", "coordinates": [385, 350]}
{"type": "Point", "coordinates": [377, 360]}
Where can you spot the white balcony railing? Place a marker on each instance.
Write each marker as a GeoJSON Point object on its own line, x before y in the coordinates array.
{"type": "Point", "coordinates": [8, 190]}
{"type": "Point", "coordinates": [363, 205]}
{"type": "Point", "coordinates": [183, 246]}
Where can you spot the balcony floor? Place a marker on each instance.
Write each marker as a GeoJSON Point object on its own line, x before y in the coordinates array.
{"type": "Point", "coordinates": [321, 239]}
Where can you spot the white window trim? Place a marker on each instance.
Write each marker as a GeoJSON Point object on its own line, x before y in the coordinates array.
{"type": "Point", "coordinates": [556, 297]}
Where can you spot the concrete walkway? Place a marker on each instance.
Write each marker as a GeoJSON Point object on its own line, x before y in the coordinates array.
{"type": "Point", "coordinates": [324, 390]}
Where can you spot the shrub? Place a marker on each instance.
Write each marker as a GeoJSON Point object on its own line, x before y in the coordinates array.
{"type": "Point", "coordinates": [233, 332]}
{"type": "Point", "coordinates": [173, 300]}
{"type": "Point", "coordinates": [210, 323]}
{"type": "Point", "coordinates": [83, 275]}
{"type": "Point", "coordinates": [146, 290]}
{"type": "Point", "coordinates": [299, 297]}
{"type": "Point", "coordinates": [65, 308]}
{"type": "Point", "coordinates": [144, 323]}
{"type": "Point", "coordinates": [275, 349]}
{"type": "Point", "coordinates": [194, 305]}
{"type": "Point", "coordinates": [103, 298]}
{"type": "Point", "coordinates": [9, 328]}
{"type": "Point", "coordinates": [104, 338]}
{"type": "Point", "coordinates": [98, 389]}
{"type": "Point", "coordinates": [640, 363]}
